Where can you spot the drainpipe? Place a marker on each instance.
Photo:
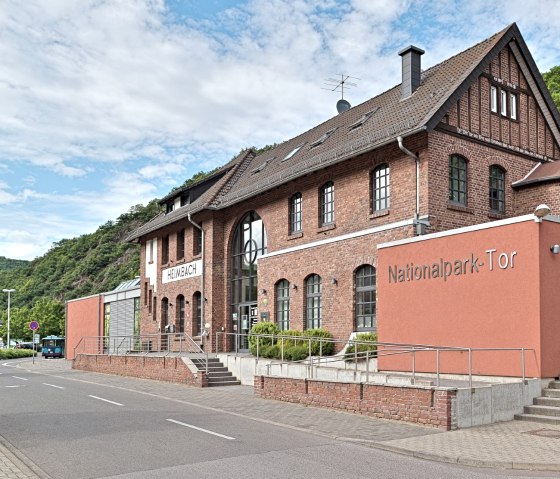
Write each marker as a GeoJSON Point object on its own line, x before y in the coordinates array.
{"type": "Point", "coordinates": [203, 298]}
{"type": "Point", "coordinates": [419, 224]}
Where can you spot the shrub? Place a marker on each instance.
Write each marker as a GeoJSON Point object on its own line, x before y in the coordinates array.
{"type": "Point", "coordinates": [271, 351]}
{"type": "Point", "coordinates": [264, 327]}
{"type": "Point", "coordinates": [370, 344]}
{"type": "Point", "coordinates": [296, 353]}
{"type": "Point", "coordinates": [15, 353]}
{"type": "Point", "coordinates": [326, 348]}
{"type": "Point", "coordinates": [289, 341]}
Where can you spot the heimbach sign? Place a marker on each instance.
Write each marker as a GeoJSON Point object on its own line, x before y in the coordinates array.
{"type": "Point", "coordinates": [184, 271]}
{"type": "Point", "coordinates": [444, 269]}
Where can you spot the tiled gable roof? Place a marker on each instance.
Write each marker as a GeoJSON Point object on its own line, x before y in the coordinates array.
{"type": "Point", "coordinates": [542, 173]}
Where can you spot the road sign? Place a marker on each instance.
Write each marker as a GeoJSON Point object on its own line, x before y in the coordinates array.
{"type": "Point", "coordinates": [34, 325]}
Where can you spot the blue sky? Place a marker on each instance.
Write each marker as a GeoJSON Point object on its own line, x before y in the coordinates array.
{"type": "Point", "coordinates": [106, 104]}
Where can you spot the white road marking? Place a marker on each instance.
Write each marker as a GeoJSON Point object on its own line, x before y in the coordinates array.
{"type": "Point", "coordinates": [23, 379]}
{"type": "Point", "coordinates": [203, 430]}
{"type": "Point", "coordinates": [106, 400]}
{"type": "Point", "coordinates": [12, 386]}
{"type": "Point", "coordinates": [53, 386]}
{"type": "Point", "coordinates": [9, 365]}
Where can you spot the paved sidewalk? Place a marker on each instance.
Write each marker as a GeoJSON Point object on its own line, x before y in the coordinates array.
{"type": "Point", "coordinates": [510, 445]}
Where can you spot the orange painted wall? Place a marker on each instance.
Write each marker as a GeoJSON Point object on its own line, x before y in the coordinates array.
{"type": "Point", "coordinates": [84, 317]}
{"type": "Point", "coordinates": [550, 299]}
{"type": "Point", "coordinates": [496, 308]}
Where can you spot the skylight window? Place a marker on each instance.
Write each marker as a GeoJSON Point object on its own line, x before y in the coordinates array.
{"type": "Point", "coordinates": [262, 166]}
{"type": "Point", "coordinates": [323, 138]}
{"type": "Point", "coordinates": [362, 120]}
{"type": "Point", "coordinates": [293, 152]}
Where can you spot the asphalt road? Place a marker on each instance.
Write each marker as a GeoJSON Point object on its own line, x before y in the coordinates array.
{"type": "Point", "coordinates": [80, 429]}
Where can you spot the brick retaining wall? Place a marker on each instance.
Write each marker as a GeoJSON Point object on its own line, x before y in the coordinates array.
{"type": "Point", "coordinates": [422, 405]}
{"type": "Point", "coordinates": [160, 368]}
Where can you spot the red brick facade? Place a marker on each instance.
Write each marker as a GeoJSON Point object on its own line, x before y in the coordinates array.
{"type": "Point", "coordinates": [427, 406]}
{"type": "Point", "coordinates": [334, 252]}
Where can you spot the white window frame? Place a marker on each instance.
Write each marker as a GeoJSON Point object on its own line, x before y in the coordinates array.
{"type": "Point", "coordinates": [493, 99]}
{"type": "Point", "coordinates": [513, 106]}
{"type": "Point", "coordinates": [503, 102]}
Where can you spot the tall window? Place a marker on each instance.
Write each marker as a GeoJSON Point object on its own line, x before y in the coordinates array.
{"type": "Point", "coordinates": [136, 316]}
{"type": "Point", "coordinates": [165, 249]}
{"type": "Point", "coordinates": [197, 241]}
{"type": "Point", "coordinates": [327, 203]}
{"type": "Point", "coordinates": [365, 285]}
{"type": "Point", "coordinates": [283, 304]}
{"type": "Point", "coordinates": [197, 313]}
{"type": "Point", "coordinates": [497, 189]}
{"type": "Point", "coordinates": [180, 313]}
{"type": "Point", "coordinates": [313, 290]}
{"type": "Point", "coordinates": [107, 319]}
{"type": "Point", "coordinates": [164, 314]}
{"type": "Point", "coordinates": [181, 244]}
{"type": "Point", "coordinates": [458, 180]}
{"type": "Point", "coordinates": [295, 213]}
{"type": "Point", "coordinates": [493, 99]}
{"type": "Point", "coordinates": [381, 188]}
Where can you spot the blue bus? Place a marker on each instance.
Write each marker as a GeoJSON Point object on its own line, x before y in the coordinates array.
{"type": "Point", "coordinates": [53, 347]}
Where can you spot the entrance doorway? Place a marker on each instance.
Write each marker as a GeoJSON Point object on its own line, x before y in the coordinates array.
{"type": "Point", "coordinates": [247, 316]}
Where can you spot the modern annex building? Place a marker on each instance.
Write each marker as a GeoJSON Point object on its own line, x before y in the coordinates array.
{"type": "Point", "coordinates": [291, 235]}
{"type": "Point", "coordinates": [112, 314]}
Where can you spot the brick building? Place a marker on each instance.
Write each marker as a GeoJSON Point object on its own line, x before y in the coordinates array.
{"type": "Point", "coordinates": [290, 235]}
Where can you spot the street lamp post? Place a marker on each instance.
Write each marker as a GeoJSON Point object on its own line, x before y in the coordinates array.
{"type": "Point", "coordinates": [9, 291]}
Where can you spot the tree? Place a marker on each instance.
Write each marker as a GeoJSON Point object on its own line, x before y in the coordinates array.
{"type": "Point", "coordinates": [552, 80]}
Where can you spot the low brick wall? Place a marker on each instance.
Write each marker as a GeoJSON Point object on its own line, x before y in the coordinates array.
{"type": "Point", "coordinates": [160, 368]}
{"type": "Point", "coordinates": [422, 405]}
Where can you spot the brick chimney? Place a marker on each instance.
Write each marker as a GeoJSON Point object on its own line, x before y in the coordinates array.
{"type": "Point", "coordinates": [410, 69]}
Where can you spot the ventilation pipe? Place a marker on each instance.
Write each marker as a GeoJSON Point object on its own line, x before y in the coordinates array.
{"type": "Point", "coordinates": [202, 296]}
{"type": "Point", "coordinates": [420, 225]}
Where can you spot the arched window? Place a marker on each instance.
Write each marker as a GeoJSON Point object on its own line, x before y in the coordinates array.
{"type": "Point", "coordinates": [197, 314]}
{"type": "Point", "coordinates": [180, 313]}
{"type": "Point", "coordinates": [283, 304]}
{"type": "Point", "coordinates": [296, 224]}
{"type": "Point", "coordinates": [381, 187]}
{"type": "Point", "coordinates": [164, 314]}
{"type": "Point", "coordinates": [313, 293]}
{"type": "Point", "coordinates": [458, 185]}
{"type": "Point", "coordinates": [365, 289]}
{"type": "Point", "coordinates": [327, 204]}
{"type": "Point", "coordinates": [497, 195]}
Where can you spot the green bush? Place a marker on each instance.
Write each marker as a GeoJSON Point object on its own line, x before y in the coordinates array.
{"type": "Point", "coordinates": [289, 341]}
{"type": "Point", "coordinates": [326, 348]}
{"type": "Point", "coordinates": [271, 351]}
{"type": "Point", "coordinates": [370, 344]}
{"type": "Point", "coordinates": [264, 327]}
{"type": "Point", "coordinates": [296, 353]}
{"type": "Point", "coordinates": [15, 353]}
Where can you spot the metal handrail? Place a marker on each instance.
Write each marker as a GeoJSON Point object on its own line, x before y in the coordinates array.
{"type": "Point", "coordinates": [387, 349]}
{"type": "Point", "coordinates": [141, 343]}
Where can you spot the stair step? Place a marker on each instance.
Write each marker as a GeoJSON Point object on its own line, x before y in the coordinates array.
{"type": "Point", "coordinates": [551, 393]}
{"type": "Point", "coordinates": [223, 383]}
{"type": "Point", "coordinates": [547, 401]}
{"type": "Point", "coordinates": [538, 418]}
{"type": "Point", "coordinates": [219, 375]}
{"type": "Point", "coordinates": [542, 410]}
{"type": "Point", "coordinates": [554, 385]}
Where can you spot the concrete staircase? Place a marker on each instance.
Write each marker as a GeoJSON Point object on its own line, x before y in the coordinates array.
{"type": "Point", "coordinates": [545, 409]}
{"type": "Point", "coordinates": [218, 374]}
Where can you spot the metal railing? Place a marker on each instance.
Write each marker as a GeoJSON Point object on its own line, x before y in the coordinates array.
{"type": "Point", "coordinates": [143, 344]}
{"type": "Point", "coordinates": [381, 349]}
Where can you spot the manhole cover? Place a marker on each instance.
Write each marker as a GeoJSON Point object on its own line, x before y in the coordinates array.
{"type": "Point", "coordinates": [546, 433]}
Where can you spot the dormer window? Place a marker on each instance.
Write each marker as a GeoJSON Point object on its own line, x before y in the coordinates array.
{"type": "Point", "coordinates": [321, 140]}
{"type": "Point", "coordinates": [362, 120]}
{"type": "Point", "coordinates": [169, 207]}
{"type": "Point", "coordinates": [185, 199]}
{"type": "Point", "coordinates": [293, 152]}
{"type": "Point", "coordinates": [262, 166]}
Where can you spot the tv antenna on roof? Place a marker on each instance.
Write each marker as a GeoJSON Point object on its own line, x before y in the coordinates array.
{"type": "Point", "coordinates": [334, 84]}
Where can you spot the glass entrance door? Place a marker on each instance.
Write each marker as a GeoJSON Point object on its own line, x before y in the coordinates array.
{"type": "Point", "coordinates": [247, 316]}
